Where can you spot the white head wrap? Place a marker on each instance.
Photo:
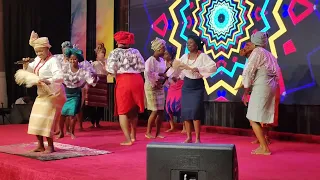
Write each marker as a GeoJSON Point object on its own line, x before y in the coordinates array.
{"type": "Point", "coordinates": [259, 38]}
{"type": "Point", "coordinates": [157, 44]}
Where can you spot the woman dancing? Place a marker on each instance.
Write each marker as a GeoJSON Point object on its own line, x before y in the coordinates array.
{"type": "Point", "coordinates": [75, 77]}
{"type": "Point", "coordinates": [196, 66]}
{"type": "Point", "coordinates": [175, 83]}
{"type": "Point", "coordinates": [127, 64]}
{"type": "Point", "coordinates": [154, 75]}
{"type": "Point", "coordinates": [47, 107]}
{"type": "Point", "coordinates": [260, 74]}
{"type": "Point", "coordinates": [97, 96]}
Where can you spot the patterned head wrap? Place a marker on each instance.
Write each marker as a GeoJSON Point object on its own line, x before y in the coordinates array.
{"type": "Point", "coordinates": [37, 42]}
{"type": "Point", "coordinates": [123, 37]}
{"type": "Point", "coordinates": [259, 38]}
{"type": "Point", "coordinates": [66, 44]}
{"type": "Point", "coordinates": [172, 51]}
{"type": "Point", "coordinates": [157, 44]}
{"type": "Point", "coordinates": [100, 48]}
{"type": "Point", "coordinates": [74, 51]}
{"type": "Point", "coordinates": [197, 40]}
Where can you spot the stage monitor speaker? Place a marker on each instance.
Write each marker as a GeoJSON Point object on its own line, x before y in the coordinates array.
{"type": "Point", "coordinates": [173, 161]}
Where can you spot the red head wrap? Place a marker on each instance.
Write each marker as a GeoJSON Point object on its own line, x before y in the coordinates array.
{"type": "Point", "coordinates": [123, 37]}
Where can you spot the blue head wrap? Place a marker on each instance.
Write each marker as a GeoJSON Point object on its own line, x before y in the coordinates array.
{"type": "Point", "coordinates": [74, 51]}
{"type": "Point", "coordinates": [172, 51]}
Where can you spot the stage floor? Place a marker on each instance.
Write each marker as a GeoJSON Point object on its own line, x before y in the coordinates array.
{"type": "Point", "coordinates": [290, 160]}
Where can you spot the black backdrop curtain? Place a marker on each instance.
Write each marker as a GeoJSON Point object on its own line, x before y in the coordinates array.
{"type": "Point", "coordinates": [91, 29]}
{"type": "Point", "coordinates": [50, 18]}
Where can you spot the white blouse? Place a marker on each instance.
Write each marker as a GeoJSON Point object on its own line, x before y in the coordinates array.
{"type": "Point", "coordinates": [99, 67]}
{"type": "Point", "coordinates": [77, 79]}
{"type": "Point", "coordinates": [122, 61]}
{"type": "Point", "coordinates": [204, 63]}
{"type": "Point", "coordinates": [49, 70]}
{"type": "Point", "coordinates": [172, 73]}
{"type": "Point", "coordinates": [152, 70]}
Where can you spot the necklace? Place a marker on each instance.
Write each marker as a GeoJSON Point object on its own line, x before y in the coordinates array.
{"type": "Point", "coordinates": [198, 53]}
{"type": "Point", "coordinates": [37, 69]}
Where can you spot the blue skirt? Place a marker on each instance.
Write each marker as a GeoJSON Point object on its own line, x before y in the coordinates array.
{"type": "Point", "coordinates": [73, 104]}
{"type": "Point", "coordinates": [192, 105]}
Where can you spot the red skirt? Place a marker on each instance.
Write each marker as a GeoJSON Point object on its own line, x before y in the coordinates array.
{"type": "Point", "coordinates": [129, 93]}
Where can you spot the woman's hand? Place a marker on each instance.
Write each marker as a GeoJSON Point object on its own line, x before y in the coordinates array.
{"type": "Point", "coordinates": [45, 81]}
{"type": "Point", "coordinates": [26, 63]}
{"type": "Point", "coordinates": [245, 99]}
{"type": "Point", "coordinates": [195, 70]}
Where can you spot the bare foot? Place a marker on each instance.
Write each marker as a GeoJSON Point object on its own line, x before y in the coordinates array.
{"type": "Point", "coordinates": [197, 141]}
{"type": "Point", "coordinates": [73, 136]}
{"type": "Point", "coordinates": [56, 133]}
{"type": "Point", "coordinates": [38, 149]}
{"type": "Point", "coordinates": [49, 150]}
{"type": "Point", "coordinates": [126, 143]}
{"type": "Point", "coordinates": [160, 136]}
{"type": "Point", "coordinates": [61, 135]}
{"type": "Point", "coordinates": [188, 140]}
{"type": "Point", "coordinates": [149, 136]}
{"type": "Point", "coordinates": [133, 140]}
{"type": "Point", "coordinates": [261, 151]}
{"type": "Point", "coordinates": [68, 133]}
{"type": "Point", "coordinates": [170, 130]}
{"type": "Point", "coordinates": [255, 141]}
{"type": "Point", "coordinates": [183, 131]}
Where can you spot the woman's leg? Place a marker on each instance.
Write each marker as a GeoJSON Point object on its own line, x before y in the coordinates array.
{"type": "Point", "coordinates": [80, 119]}
{"type": "Point", "coordinates": [188, 124]}
{"type": "Point", "coordinates": [159, 119]}
{"type": "Point", "coordinates": [73, 122]}
{"type": "Point", "coordinates": [40, 146]}
{"type": "Point", "coordinates": [50, 148]}
{"type": "Point", "coordinates": [61, 126]}
{"type": "Point", "coordinates": [68, 127]}
{"type": "Point", "coordinates": [151, 120]}
{"type": "Point", "coordinates": [183, 128]}
{"type": "Point", "coordinates": [171, 123]}
{"type": "Point", "coordinates": [124, 123]}
{"type": "Point", "coordinates": [197, 129]}
{"type": "Point", "coordinates": [263, 149]}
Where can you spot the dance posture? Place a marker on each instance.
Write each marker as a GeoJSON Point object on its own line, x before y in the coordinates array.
{"type": "Point", "coordinates": [127, 64]}
{"type": "Point", "coordinates": [174, 84]}
{"type": "Point", "coordinates": [196, 66]}
{"type": "Point", "coordinates": [47, 106]}
{"type": "Point", "coordinates": [75, 77]}
{"type": "Point", "coordinates": [246, 51]}
{"type": "Point", "coordinates": [261, 75]}
{"type": "Point", "coordinates": [154, 77]}
{"type": "Point", "coordinates": [97, 97]}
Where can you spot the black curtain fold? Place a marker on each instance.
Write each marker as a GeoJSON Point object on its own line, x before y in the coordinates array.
{"type": "Point", "coordinates": [20, 18]}
{"type": "Point", "coordinates": [91, 29]}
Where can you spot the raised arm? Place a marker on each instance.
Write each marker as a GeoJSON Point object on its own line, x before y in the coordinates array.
{"type": "Point", "coordinates": [208, 66]}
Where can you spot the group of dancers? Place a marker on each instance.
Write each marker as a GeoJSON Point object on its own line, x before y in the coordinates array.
{"type": "Point", "coordinates": [69, 75]}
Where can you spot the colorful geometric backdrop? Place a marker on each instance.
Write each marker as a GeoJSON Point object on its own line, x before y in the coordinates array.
{"type": "Point", "coordinates": [225, 26]}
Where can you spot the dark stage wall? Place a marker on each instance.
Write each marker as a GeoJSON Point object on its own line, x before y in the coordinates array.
{"type": "Point", "coordinates": [47, 17]}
